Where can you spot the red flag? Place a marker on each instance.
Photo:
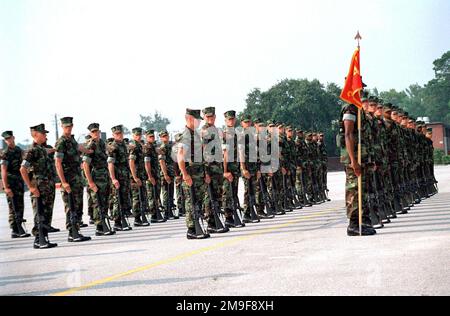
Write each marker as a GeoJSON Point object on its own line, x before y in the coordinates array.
{"type": "Point", "coordinates": [353, 83]}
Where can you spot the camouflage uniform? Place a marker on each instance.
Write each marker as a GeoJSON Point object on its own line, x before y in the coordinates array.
{"type": "Point", "coordinates": [301, 165]}
{"type": "Point", "coordinates": [54, 177]}
{"type": "Point", "coordinates": [350, 112]}
{"type": "Point", "coordinates": [230, 143]}
{"type": "Point", "coordinates": [97, 161]}
{"type": "Point", "coordinates": [136, 153]}
{"type": "Point", "coordinates": [165, 154]}
{"type": "Point", "coordinates": [192, 145]}
{"type": "Point", "coordinates": [150, 152]}
{"type": "Point", "coordinates": [118, 155]}
{"type": "Point", "coordinates": [12, 159]}
{"type": "Point", "coordinates": [249, 152]}
{"type": "Point", "coordinates": [67, 151]}
{"type": "Point", "coordinates": [35, 160]}
{"type": "Point", "coordinates": [212, 147]}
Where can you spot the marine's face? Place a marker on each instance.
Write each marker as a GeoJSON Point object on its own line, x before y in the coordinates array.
{"type": "Point", "coordinates": [230, 122]}
{"type": "Point", "coordinates": [11, 142]}
{"type": "Point", "coordinates": [95, 135]}
{"type": "Point", "coordinates": [165, 138]}
{"type": "Point", "coordinates": [151, 139]}
{"type": "Point", "coordinates": [211, 119]}
{"type": "Point", "coordinates": [118, 136]}
{"type": "Point", "coordinates": [379, 111]}
{"type": "Point", "coordinates": [197, 122]}
{"type": "Point", "coordinates": [137, 137]}
{"type": "Point", "coordinates": [372, 107]}
{"type": "Point", "coordinates": [67, 130]}
{"type": "Point", "coordinates": [289, 134]}
{"type": "Point", "coordinates": [246, 124]}
{"type": "Point", "coordinates": [39, 137]}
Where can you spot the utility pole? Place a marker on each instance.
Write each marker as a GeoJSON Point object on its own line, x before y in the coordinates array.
{"type": "Point", "coordinates": [56, 127]}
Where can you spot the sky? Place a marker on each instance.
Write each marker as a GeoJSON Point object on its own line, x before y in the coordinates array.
{"type": "Point", "coordinates": [108, 61]}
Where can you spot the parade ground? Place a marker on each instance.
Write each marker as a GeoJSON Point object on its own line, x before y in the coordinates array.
{"type": "Point", "coordinates": [306, 252]}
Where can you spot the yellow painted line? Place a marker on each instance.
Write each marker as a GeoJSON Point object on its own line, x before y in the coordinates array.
{"type": "Point", "coordinates": [190, 254]}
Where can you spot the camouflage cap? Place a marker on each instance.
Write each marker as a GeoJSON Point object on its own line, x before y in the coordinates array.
{"type": "Point", "coordinates": [137, 131]}
{"type": "Point", "coordinates": [373, 99]}
{"type": "Point", "coordinates": [262, 124]}
{"type": "Point", "coordinates": [39, 128]}
{"type": "Point", "coordinates": [163, 133]}
{"type": "Point", "coordinates": [93, 127]}
{"type": "Point", "coordinates": [195, 113]}
{"type": "Point", "coordinates": [365, 96]}
{"type": "Point", "coordinates": [230, 114]}
{"type": "Point", "coordinates": [210, 111]}
{"type": "Point", "coordinates": [150, 132]}
{"type": "Point", "coordinates": [67, 121]}
{"type": "Point", "coordinates": [246, 117]}
{"type": "Point", "coordinates": [117, 129]}
{"type": "Point", "coordinates": [289, 128]}
{"type": "Point", "coordinates": [257, 121]}
{"type": "Point", "coordinates": [280, 125]}
{"type": "Point", "coordinates": [299, 131]}
{"type": "Point", "coordinates": [307, 134]}
{"type": "Point", "coordinates": [271, 123]}
{"type": "Point", "coordinates": [7, 134]}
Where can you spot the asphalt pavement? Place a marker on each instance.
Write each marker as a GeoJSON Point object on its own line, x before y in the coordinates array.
{"type": "Point", "coordinates": [305, 252]}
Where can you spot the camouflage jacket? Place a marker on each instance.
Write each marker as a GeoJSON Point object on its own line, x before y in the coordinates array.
{"type": "Point", "coordinates": [12, 159]}
{"type": "Point", "coordinates": [67, 150]}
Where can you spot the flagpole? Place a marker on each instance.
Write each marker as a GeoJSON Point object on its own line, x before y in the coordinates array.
{"type": "Point", "coordinates": [358, 38]}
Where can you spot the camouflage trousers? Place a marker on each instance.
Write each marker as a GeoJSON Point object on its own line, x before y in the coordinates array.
{"type": "Point", "coordinates": [76, 186]}
{"type": "Point", "coordinates": [216, 175]}
{"type": "Point", "coordinates": [308, 177]}
{"type": "Point", "coordinates": [135, 200]}
{"type": "Point", "coordinates": [47, 190]}
{"type": "Point", "coordinates": [227, 194]}
{"type": "Point", "coordinates": [351, 196]}
{"type": "Point", "coordinates": [299, 185]}
{"type": "Point", "coordinates": [179, 188]}
{"type": "Point", "coordinates": [153, 194]}
{"type": "Point", "coordinates": [167, 191]}
{"type": "Point", "coordinates": [281, 187]}
{"type": "Point", "coordinates": [199, 190]}
{"type": "Point", "coordinates": [124, 192]}
{"type": "Point", "coordinates": [274, 191]}
{"type": "Point", "coordinates": [100, 200]}
{"type": "Point", "coordinates": [16, 203]}
{"type": "Point", "coordinates": [90, 203]}
{"type": "Point", "coordinates": [257, 192]}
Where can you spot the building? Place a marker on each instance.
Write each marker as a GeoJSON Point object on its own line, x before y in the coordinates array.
{"type": "Point", "coordinates": [441, 136]}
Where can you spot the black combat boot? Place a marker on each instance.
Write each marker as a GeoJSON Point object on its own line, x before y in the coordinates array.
{"type": "Point", "coordinates": [53, 229]}
{"type": "Point", "coordinates": [192, 234]}
{"type": "Point", "coordinates": [79, 238]}
{"type": "Point", "coordinates": [139, 223]}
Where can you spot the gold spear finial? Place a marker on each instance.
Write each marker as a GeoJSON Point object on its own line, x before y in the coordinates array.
{"type": "Point", "coordinates": [358, 37]}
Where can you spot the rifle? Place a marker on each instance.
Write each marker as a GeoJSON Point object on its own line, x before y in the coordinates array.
{"type": "Point", "coordinates": [306, 202]}
{"type": "Point", "coordinates": [123, 218]}
{"type": "Point", "coordinates": [270, 207]}
{"type": "Point", "coordinates": [143, 206]}
{"type": "Point", "coordinates": [237, 211]}
{"type": "Point", "coordinates": [293, 190]}
{"type": "Point", "coordinates": [41, 225]}
{"type": "Point", "coordinates": [107, 230]}
{"type": "Point", "coordinates": [252, 202]}
{"type": "Point", "coordinates": [20, 230]}
{"type": "Point", "coordinates": [169, 213]}
{"type": "Point", "coordinates": [159, 218]}
{"type": "Point", "coordinates": [182, 209]}
{"type": "Point", "coordinates": [287, 197]}
{"type": "Point", "coordinates": [274, 194]}
{"type": "Point", "coordinates": [199, 223]}
{"type": "Point", "coordinates": [216, 212]}
{"type": "Point", "coordinates": [73, 218]}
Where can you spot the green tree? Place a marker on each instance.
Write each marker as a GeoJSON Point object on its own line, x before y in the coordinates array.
{"type": "Point", "coordinates": [300, 103]}
{"type": "Point", "coordinates": [155, 121]}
